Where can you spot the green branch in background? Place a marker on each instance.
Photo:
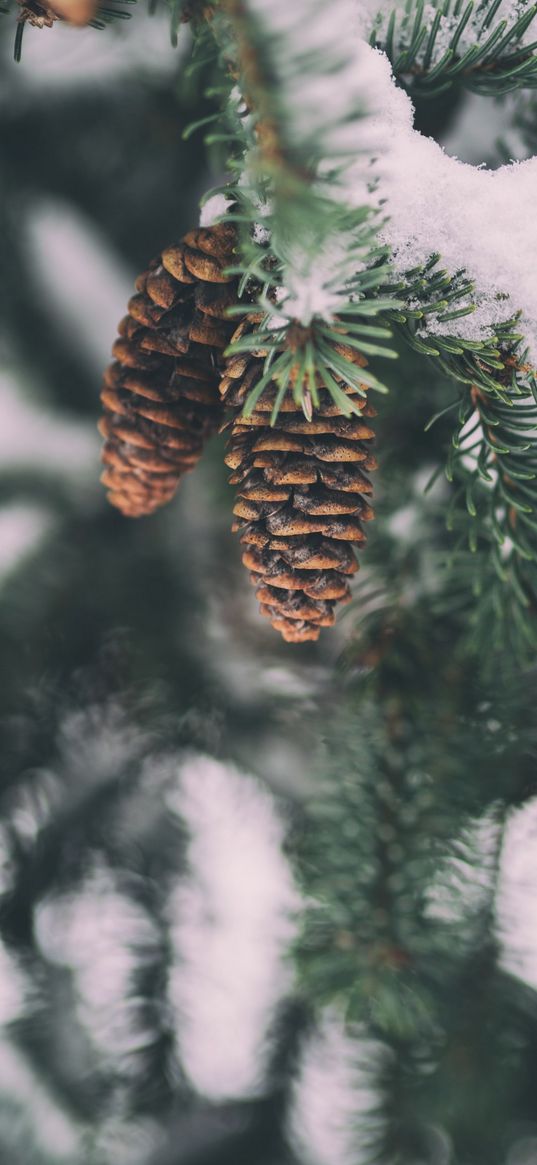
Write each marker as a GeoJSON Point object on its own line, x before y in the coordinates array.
{"type": "Point", "coordinates": [374, 859]}
{"type": "Point", "coordinates": [525, 121]}
{"type": "Point", "coordinates": [435, 46]}
{"type": "Point", "coordinates": [399, 856]}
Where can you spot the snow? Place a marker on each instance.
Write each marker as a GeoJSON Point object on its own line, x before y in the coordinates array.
{"type": "Point", "coordinates": [335, 1093]}
{"type": "Point", "coordinates": [325, 105]}
{"type": "Point", "coordinates": [87, 284]}
{"type": "Point", "coordinates": [516, 903]}
{"type": "Point", "coordinates": [32, 436]}
{"type": "Point", "coordinates": [360, 122]}
{"type": "Point", "coordinates": [101, 935]}
{"type": "Point", "coordinates": [14, 988]}
{"type": "Point", "coordinates": [479, 220]}
{"type": "Point", "coordinates": [58, 1134]}
{"type": "Point", "coordinates": [374, 15]}
{"type": "Point", "coordinates": [231, 925]}
{"type": "Point", "coordinates": [213, 209]}
{"type": "Point", "coordinates": [318, 98]}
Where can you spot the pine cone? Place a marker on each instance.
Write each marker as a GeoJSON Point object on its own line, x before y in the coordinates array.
{"type": "Point", "coordinates": [161, 395]}
{"type": "Point", "coordinates": [301, 497]}
{"type": "Point", "coordinates": [77, 12]}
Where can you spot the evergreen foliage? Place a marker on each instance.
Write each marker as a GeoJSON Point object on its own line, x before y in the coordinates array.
{"type": "Point", "coordinates": [479, 46]}
{"type": "Point", "coordinates": [401, 757]}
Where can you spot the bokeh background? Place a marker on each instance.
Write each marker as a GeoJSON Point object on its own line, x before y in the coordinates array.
{"type": "Point", "coordinates": [147, 1008]}
{"type": "Point", "coordinates": [130, 650]}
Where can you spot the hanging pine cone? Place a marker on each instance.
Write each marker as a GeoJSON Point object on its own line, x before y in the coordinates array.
{"type": "Point", "coordinates": [301, 497]}
{"type": "Point", "coordinates": [161, 395]}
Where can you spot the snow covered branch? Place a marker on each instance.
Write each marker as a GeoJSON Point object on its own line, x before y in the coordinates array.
{"type": "Point", "coordinates": [486, 47]}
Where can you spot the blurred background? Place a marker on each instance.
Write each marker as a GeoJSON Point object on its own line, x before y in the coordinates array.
{"type": "Point", "coordinates": [129, 650]}
{"type": "Point", "coordinates": [157, 737]}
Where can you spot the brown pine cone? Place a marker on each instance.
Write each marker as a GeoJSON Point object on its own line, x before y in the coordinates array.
{"type": "Point", "coordinates": [77, 12]}
{"type": "Point", "coordinates": [302, 490]}
{"type": "Point", "coordinates": [161, 395]}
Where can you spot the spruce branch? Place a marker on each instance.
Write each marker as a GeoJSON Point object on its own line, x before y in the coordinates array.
{"type": "Point", "coordinates": [400, 859]}
{"type": "Point", "coordinates": [308, 256]}
{"type": "Point", "coordinates": [437, 46]}
{"type": "Point", "coordinates": [492, 464]}
{"type": "Point", "coordinates": [430, 298]}
{"type": "Point", "coordinates": [372, 939]}
{"type": "Point", "coordinates": [317, 286]}
{"type": "Point", "coordinates": [391, 823]}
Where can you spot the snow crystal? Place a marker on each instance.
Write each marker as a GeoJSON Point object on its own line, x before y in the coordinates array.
{"type": "Point", "coordinates": [335, 1092]}
{"type": "Point", "coordinates": [369, 14]}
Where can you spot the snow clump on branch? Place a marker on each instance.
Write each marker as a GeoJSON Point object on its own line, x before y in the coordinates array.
{"type": "Point", "coordinates": [479, 220]}
{"type": "Point", "coordinates": [340, 105]}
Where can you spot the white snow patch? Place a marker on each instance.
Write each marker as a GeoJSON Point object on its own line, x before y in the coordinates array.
{"type": "Point", "coordinates": [100, 934]}
{"type": "Point", "coordinates": [516, 909]}
{"type": "Point", "coordinates": [479, 220]}
{"type": "Point", "coordinates": [333, 1111]}
{"type": "Point", "coordinates": [231, 924]}
{"type": "Point", "coordinates": [58, 1134]}
{"type": "Point", "coordinates": [362, 124]}
{"type": "Point", "coordinates": [86, 284]}
{"type": "Point", "coordinates": [33, 436]}
{"type": "Point", "coordinates": [214, 208]}
{"type": "Point", "coordinates": [13, 987]}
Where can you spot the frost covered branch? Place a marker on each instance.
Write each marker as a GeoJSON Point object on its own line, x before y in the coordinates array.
{"type": "Point", "coordinates": [309, 253]}
{"type": "Point", "coordinates": [487, 47]}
